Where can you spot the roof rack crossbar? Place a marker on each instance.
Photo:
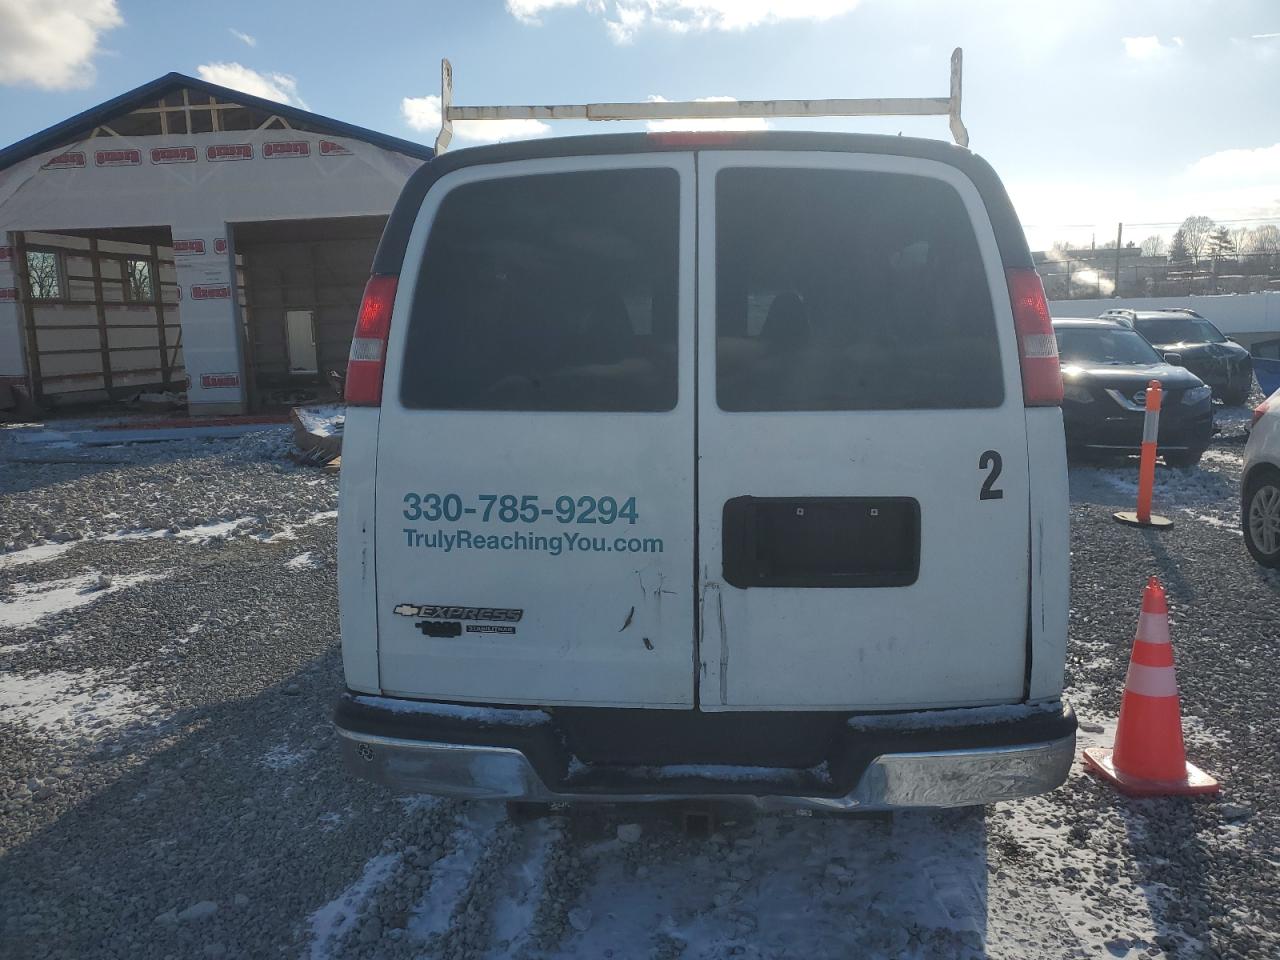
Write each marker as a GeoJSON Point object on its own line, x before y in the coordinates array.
{"type": "Point", "coordinates": [710, 109]}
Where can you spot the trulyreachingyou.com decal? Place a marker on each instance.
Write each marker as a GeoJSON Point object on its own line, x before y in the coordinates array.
{"type": "Point", "coordinates": [554, 544]}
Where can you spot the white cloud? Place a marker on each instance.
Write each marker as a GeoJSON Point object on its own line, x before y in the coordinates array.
{"type": "Point", "coordinates": [625, 18]}
{"type": "Point", "coordinates": [737, 123]}
{"type": "Point", "coordinates": [51, 43]}
{"type": "Point", "coordinates": [279, 87]}
{"type": "Point", "coordinates": [1149, 48]}
{"type": "Point", "coordinates": [1230, 167]}
{"type": "Point", "coordinates": [247, 39]}
{"type": "Point", "coordinates": [423, 113]}
{"type": "Point", "coordinates": [1263, 36]}
{"type": "Point", "coordinates": [529, 11]}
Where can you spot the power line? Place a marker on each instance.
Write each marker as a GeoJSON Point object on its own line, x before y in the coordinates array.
{"type": "Point", "coordinates": [1157, 223]}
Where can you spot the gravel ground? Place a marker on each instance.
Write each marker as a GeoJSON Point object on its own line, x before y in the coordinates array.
{"type": "Point", "coordinates": [169, 785]}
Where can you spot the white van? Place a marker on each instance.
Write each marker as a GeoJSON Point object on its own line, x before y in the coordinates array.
{"type": "Point", "coordinates": [706, 465]}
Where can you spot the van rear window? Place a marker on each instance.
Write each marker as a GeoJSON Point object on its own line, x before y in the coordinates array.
{"type": "Point", "coordinates": [849, 290]}
{"type": "Point", "coordinates": [549, 292]}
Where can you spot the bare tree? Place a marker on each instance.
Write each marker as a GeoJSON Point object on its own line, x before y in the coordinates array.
{"type": "Point", "coordinates": [1265, 240]}
{"type": "Point", "coordinates": [1154, 246]}
{"type": "Point", "coordinates": [1242, 237]}
{"type": "Point", "coordinates": [138, 279]}
{"type": "Point", "coordinates": [1195, 233]}
{"type": "Point", "coordinates": [1264, 250]}
{"type": "Point", "coordinates": [43, 277]}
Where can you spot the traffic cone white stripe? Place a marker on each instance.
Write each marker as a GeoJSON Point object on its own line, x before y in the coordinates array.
{"type": "Point", "coordinates": [1149, 758]}
{"type": "Point", "coordinates": [1153, 627]}
{"type": "Point", "coordinates": [1151, 681]}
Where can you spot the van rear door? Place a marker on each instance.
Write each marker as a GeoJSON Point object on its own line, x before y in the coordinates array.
{"type": "Point", "coordinates": [862, 477]}
{"type": "Point", "coordinates": [535, 519]}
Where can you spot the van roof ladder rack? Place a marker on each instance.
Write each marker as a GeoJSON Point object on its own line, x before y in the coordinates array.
{"type": "Point", "coordinates": [710, 109]}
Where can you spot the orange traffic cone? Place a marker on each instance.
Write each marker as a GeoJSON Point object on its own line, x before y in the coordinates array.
{"type": "Point", "coordinates": [1149, 758]}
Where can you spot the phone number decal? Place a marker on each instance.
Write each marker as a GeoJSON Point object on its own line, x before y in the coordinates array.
{"type": "Point", "coordinates": [525, 508]}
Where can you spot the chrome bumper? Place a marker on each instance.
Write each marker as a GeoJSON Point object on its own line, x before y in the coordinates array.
{"type": "Point", "coordinates": [892, 781]}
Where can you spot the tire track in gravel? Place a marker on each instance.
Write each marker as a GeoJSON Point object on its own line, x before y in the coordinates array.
{"type": "Point", "coordinates": [375, 914]}
{"type": "Point", "coordinates": [463, 884]}
{"type": "Point", "coordinates": [430, 920]}
{"type": "Point", "coordinates": [521, 890]}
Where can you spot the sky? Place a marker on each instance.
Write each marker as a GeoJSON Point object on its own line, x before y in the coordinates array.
{"type": "Point", "coordinates": [1092, 112]}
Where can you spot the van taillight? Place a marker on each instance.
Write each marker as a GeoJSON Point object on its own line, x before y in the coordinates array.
{"type": "Point", "coordinates": [369, 344]}
{"type": "Point", "coordinates": [1259, 412]}
{"type": "Point", "coordinates": [1037, 346]}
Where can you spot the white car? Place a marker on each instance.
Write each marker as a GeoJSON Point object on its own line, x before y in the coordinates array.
{"type": "Point", "coordinates": [706, 466]}
{"type": "Point", "coordinates": [1260, 484]}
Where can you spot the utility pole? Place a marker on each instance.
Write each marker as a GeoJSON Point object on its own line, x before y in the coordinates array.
{"type": "Point", "coordinates": [1119, 237]}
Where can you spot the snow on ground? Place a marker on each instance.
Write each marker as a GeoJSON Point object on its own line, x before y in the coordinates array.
{"type": "Point", "coordinates": [335, 919]}
{"type": "Point", "coordinates": [516, 902]}
{"type": "Point", "coordinates": [284, 757]}
{"type": "Point", "coordinates": [1077, 873]}
{"type": "Point", "coordinates": [29, 603]}
{"type": "Point", "coordinates": [324, 420]}
{"type": "Point", "coordinates": [290, 531]}
{"type": "Point", "coordinates": [1208, 494]}
{"type": "Point", "coordinates": [210, 531]}
{"type": "Point", "coordinates": [215, 529]}
{"type": "Point", "coordinates": [37, 554]}
{"type": "Point", "coordinates": [448, 878]}
{"type": "Point", "coordinates": [69, 705]}
{"type": "Point", "coordinates": [793, 886]}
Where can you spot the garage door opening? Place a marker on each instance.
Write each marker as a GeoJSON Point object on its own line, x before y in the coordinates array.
{"type": "Point", "coordinates": [302, 283]}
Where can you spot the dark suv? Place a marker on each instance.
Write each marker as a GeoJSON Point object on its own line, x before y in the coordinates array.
{"type": "Point", "coordinates": [1200, 347]}
{"type": "Point", "coordinates": [1106, 367]}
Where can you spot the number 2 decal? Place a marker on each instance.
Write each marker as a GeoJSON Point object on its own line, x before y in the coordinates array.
{"type": "Point", "coordinates": [990, 460]}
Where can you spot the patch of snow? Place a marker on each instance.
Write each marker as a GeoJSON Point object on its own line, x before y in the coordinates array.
{"type": "Point", "coordinates": [448, 878]}
{"type": "Point", "coordinates": [32, 602]}
{"type": "Point", "coordinates": [333, 819]}
{"type": "Point", "coordinates": [214, 529]}
{"type": "Point", "coordinates": [1225, 456]}
{"type": "Point", "coordinates": [323, 420]}
{"type": "Point", "coordinates": [128, 535]}
{"type": "Point", "coordinates": [458, 711]}
{"type": "Point", "coordinates": [303, 561]}
{"type": "Point", "coordinates": [953, 717]}
{"type": "Point", "coordinates": [68, 704]}
{"type": "Point", "coordinates": [1233, 524]}
{"type": "Point", "coordinates": [281, 757]}
{"type": "Point", "coordinates": [517, 902]}
{"type": "Point", "coordinates": [1039, 828]}
{"type": "Point", "coordinates": [290, 531]}
{"type": "Point", "coordinates": [799, 887]}
{"type": "Point", "coordinates": [37, 554]}
{"type": "Point", "coordinates": [332, 922]}
{"type": "Point", "coordinates": [37, 643]}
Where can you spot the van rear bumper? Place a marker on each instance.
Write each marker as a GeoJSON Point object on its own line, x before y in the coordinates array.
{"type": "Point", "coordinates": [875, 762]}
